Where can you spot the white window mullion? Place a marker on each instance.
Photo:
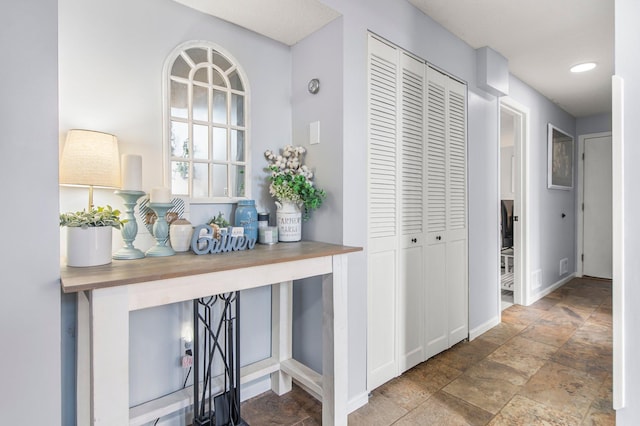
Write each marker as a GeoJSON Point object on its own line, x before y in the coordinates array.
{"type": "Point", "coordinates": [230, 192]}
{"type": "Point", "coordinates": [189, 158]}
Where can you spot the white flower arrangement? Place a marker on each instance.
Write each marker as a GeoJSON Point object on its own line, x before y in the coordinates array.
{"type": "Point", "coordinates": [291, 180]}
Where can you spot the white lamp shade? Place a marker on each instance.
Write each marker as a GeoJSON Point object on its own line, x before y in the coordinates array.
{"type": "Point", "coordinates": [90, 158]}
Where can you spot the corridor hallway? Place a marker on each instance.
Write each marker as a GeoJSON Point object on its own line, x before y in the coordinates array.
{"type": "Point", "coordinates": [549, 362]}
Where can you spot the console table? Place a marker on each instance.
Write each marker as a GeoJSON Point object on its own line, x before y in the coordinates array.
{"type": "Point", "coordinates": [106, 295]}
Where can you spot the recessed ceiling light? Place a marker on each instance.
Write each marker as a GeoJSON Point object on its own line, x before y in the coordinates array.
{"type": "Point", "coordinates": [587, 66]}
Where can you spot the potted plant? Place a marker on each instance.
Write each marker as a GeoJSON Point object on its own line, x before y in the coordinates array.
{"type": "Point", "coordinates": [89, 235]}
{"type": "Point", "coordinates": [292, 187]}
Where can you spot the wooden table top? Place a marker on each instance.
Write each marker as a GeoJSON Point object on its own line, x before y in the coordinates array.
{"type": "Point", "coordinates": [123, 272]}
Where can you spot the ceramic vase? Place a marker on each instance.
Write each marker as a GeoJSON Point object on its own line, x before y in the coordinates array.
{"type": "Point", "coordinates": [90, 246]}
{"type": "Point", "coordinates": [180, 232]}
{"type": "Point", "coordinates": [289, 221]}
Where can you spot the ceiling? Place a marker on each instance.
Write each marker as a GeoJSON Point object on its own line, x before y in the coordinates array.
{"type": "Point", "coordinates": [287, 21]}
{"type": "Point", "coordinates": [541, 39]}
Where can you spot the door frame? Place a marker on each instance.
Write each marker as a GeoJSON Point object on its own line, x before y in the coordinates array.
{"type": "Point", "coordinates": [580, 190]}
{"type": "Point", "coordinates": [521, 260]}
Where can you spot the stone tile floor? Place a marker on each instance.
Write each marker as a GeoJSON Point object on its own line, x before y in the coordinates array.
{"type": "Point", "coordinates": [548, 363]}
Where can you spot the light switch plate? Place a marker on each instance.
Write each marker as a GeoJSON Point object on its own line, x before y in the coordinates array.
{"type": "Point", "coordinates": [314, 133]}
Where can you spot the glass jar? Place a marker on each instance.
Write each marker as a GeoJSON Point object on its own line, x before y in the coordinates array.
{"type": "Point", "coordinates": [263, 220]}
{"type": "Point", "coordinates": [247, 217]}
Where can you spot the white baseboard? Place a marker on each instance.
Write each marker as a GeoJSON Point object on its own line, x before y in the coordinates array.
{"type": "Point", "coordinates": [255, 388]}
{"type": "Point", "coordinates": [547, 290]}
{"type": "Point", "coordinates": [357, 402]}
{"type": "Point", "coordinates": [483, 328]}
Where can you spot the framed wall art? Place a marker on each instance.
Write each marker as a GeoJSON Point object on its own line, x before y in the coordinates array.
{"type": "Point", "coordinates": [560, 159]}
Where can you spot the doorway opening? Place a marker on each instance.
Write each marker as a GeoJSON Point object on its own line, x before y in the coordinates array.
{"type": "Point", "coordinates": [513, 190]}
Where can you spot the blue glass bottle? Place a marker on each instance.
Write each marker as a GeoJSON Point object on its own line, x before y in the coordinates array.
{"type": "Point", "coordinates": [247, 217]}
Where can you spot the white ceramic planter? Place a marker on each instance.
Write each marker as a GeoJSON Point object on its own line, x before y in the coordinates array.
{"type": "Point", "coordinates": [89, 246]}
{"type": "Point", "coordinates": [289, 221]}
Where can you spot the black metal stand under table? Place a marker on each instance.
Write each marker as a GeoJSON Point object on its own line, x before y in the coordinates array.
{"type": "Point", "coordinates": [217, 401]}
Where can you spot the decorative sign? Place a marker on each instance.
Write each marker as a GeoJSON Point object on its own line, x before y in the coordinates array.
{"type": "Point", "coordinates": [208, 244]}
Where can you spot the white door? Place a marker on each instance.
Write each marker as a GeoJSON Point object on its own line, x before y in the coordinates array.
{"type": "Point", "coordinates": [519, 114]}
{"type": "Point", "coordinates": [437, 324]}
{"type": "Point", "coordinates": [446, 263]}
{"type": "Point", "coordinates": [384, 184]}
{"type": "Point", "coordinates": [396, 212]}
{"type": "Point", "coordinates": [411, 306]}
{"type": "Point", "coordinates": [416, 212]}
{"type": "Point", "coordinates": [597, 225]}
{"type": "Point", "coordinates": [456, 263]}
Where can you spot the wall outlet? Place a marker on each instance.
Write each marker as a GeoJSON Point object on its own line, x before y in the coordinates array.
{"type": "Point", "coordinates": [564, 266]}
{"type": "Point", "coordinates": [536, 279]}
{"type": "Point", "coordinates": [186, 361]}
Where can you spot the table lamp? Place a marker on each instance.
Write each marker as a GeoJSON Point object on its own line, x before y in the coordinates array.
{"type": "Point", "coordinates": [90, 159]}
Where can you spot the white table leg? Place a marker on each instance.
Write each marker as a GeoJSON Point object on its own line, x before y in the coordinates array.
{"type": "Point", "coordinates": [83, 366]}
{"type": "Point", "coordinates": [281, 333]}
{"type": "Point", "coordinates": [334, 344]}
{"type": "Point", "coordinates": [109, 357]}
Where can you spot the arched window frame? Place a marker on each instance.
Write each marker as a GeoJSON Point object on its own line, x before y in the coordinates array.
{"type": "Point", "coordinates": [235, 188]}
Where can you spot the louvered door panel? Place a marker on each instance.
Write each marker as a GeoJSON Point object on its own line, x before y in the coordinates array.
{"type": "Point", "coordinates": [411, 277]}
{"type": "Point", "coordinates": [447, 270]}
{"type": "Point", "coordinates": [457, 188]}
{"type": "Point", "coordinates": [436, 154]}
{"type": "Point", "coordinates": [383, 187]}
{"type": "Point", "coordinates": [412, 134]}
{"type": "Point", "coordinates": [456, 252]}
{"type": "Point", "coordinates": [383, 111]}
{"type": "Point", "coordinates": [417, 212]}
{"type": "Point", "coordinates": [436, 328]}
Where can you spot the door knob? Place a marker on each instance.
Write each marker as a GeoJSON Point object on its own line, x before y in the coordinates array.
{"type": "Point", "coordinates": [414, 240]}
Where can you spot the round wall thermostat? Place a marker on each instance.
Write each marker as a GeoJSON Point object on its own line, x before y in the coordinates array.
{"type": "Point", "coordinates": [314, 86]}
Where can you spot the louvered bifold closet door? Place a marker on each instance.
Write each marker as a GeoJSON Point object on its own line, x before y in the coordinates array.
{"type": "Point", "coordinates": [446, 258]}
{"type": "Point", "coordinates": [383, 187]}
{"type": "Point", "coordinates": [456, 252]}
{"type": "Point", "coordinates": [436, 298]}
{"type": "Point", "coordinates": [411, 291]}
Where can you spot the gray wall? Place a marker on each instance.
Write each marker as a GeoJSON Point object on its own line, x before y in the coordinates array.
{"type": "Point", "coordinates": [30, 301]}
{"type": "Point", "coordinates": [111, 61]}
{"type": "Point", "coordinates": [552, 238]}
{"type": "Point", "coordinates": [593, 124]}
{"type": "Point", "coordinates": [318, 56]}
{"type": "Point", "coordinates": [627, 66]}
